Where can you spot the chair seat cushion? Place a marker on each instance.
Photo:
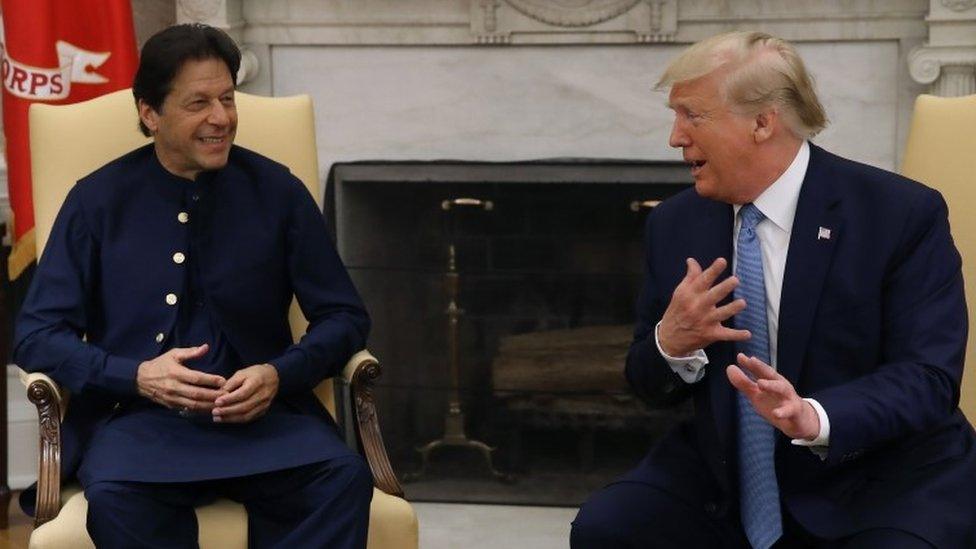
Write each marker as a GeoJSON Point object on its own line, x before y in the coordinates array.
{"type": "Point", "coordinates": [223, 524]}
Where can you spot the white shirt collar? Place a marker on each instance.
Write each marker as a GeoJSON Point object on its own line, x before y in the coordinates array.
{"type": "Point", "coordinates": [778, 201]}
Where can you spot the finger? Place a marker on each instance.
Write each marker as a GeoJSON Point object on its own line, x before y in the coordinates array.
{"type": "Point", "coordinates": [709, 275]}
{"type": "Point", "coordinates": [179, 389]}
{"type": "Point", "coordinates": [740, 380]}
{"type": "Point", "coordinates": [240, 394]}
{"type": "Point", "coordinates": [238, 409]}
{"type": "Point", "coordinates": [182, 354]}
{"type": "Point", "coordinates": [779, 387]}
{"type": "Point", "coordinates": [719, 291]}
{"type": "Point", "coordinates": [728, 310]}
{"type": "Point", "coordinates": [197, 393]}
{"type": "Point", "coordinates": [694, 269]}
{"type": "Point", "coordinates": [240, 418]}
{"type": "Point", "coordinates": [723, 333]}
{"type": "Point", "coordinates": [757, 368]}
{"type": "Point", "coordinates": [233, 384]}
{"type": "Point", "coordinates": [179, 401]}
{"type": "Point", "coordinates": [202, 379]}
{"type": "Point", "coordinates": [198, 399]}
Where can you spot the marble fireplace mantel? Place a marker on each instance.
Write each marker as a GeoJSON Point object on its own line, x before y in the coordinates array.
{"type": "Point", "coordinates": [517, 79]}
{"type": "Point", "coordinates": [261, 25]}
{"type": "Point", "coordinates": [464, 22]}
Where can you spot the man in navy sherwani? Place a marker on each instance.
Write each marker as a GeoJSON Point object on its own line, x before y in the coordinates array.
{"type": "Point", "coordinates": [813, 309]}
{"type": "Point", "coordinates": [161, 302]}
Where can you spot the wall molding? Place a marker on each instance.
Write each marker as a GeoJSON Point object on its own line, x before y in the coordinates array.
{"type": "Point", "coordinates": [947, 61]}
{"type": "Point", "coordinates": [514, 22]}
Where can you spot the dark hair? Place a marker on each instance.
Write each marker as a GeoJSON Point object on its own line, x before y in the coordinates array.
{"type": "Point", "coordinates": [165, 52]}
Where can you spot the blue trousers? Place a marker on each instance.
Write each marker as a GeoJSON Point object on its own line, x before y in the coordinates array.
{"type": "Point", "coordinates": [671, 501]}
{"type": "Point", "coordinates": [320, 505]}
{"type": "Point", "coordinates": [631, 515]}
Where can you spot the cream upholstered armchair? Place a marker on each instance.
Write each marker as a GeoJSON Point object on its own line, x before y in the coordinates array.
{"type": "Point", "coordinates": [68, 142]}
{"type": "Point", "coordinates": [941, 152]}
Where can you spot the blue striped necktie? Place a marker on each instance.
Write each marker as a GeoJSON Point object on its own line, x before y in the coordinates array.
{"type": "Point", "coordinates": [759, 492]}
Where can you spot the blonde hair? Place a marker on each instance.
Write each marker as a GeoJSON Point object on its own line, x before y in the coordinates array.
{"type": "Point", "coordinates": [762, 71]}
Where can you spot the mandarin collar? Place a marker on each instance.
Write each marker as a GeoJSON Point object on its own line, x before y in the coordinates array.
{"type": "Point", "coordinates": [172, 186]}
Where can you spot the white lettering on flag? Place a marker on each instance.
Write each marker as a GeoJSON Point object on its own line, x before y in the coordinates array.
{"type": "Point", "coordinates": [52, 84]}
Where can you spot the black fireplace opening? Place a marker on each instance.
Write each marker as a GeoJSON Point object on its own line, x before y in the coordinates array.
{"type": "Point", "coordinates": [538, 264]}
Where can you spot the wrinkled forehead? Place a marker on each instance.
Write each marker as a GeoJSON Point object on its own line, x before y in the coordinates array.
{"type": "Point", "coordinates": [207, 75]}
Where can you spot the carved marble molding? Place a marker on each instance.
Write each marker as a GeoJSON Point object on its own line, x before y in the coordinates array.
{"type": "Point", "coordinates": [956, 81]}
{"type": "Point", "coordinates": [569, 13]}
{"type": "Point", "coordinates": [959, 5]}
{"type": "Point", "coordinates": [227, 15]}
{"type": "Point", "coordinates": [573, 21]}
{"type": "Point", "coordinates": [199, 10]}
{"type": "Point", "coordinates": [925, 63]}
{"type": "Point", "coordinates": [530, 22]}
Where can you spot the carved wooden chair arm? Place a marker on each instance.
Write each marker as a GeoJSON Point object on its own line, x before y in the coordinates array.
{"type": "Point", "coordinates": [50, 402]}
{"type": "Point", "coordinates": [360, 373]}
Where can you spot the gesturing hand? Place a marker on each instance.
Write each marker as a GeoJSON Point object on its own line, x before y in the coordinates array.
{"type": "Point", "coordinates": [165, 380]}
{"type": "Point", "coordinates": [692, 320]}
{"type": "Point", "coordinates": [774, 398]}
{"type": "Point", "coordinates": [248, 394]}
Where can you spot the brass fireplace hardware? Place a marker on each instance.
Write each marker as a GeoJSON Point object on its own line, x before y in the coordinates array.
{"type": "Point", "coordinates": [488, 205]}
{"type": "Point", "coordinates": [639, 205]}
{"type": "Point", "coordinates": [454, 434]}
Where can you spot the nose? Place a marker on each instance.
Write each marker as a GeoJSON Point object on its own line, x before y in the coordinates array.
{"type": "Point", "coordinates": [678, 137]}
{"type": "Point", "coordinates": [218, 114]}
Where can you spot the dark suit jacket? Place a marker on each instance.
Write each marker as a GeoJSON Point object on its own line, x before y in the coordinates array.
{"type": "Point", "coordinates": [108, 266]}
{"type": "Point", "coordinates": [872, 324]}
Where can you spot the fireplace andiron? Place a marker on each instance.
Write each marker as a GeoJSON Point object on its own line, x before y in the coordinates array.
{"type": "Point", "coordinates": [454, 434]}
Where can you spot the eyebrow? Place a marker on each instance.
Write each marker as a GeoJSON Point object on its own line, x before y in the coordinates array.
{"type": "Point", "coordinates": [201, 95]}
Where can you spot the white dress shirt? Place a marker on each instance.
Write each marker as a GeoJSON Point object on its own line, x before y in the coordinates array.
{"type": "Point", "coordinates": [778, 204]}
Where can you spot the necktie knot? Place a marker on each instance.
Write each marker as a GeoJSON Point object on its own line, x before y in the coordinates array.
{"type": "Point", "coordinates": [750, 216]}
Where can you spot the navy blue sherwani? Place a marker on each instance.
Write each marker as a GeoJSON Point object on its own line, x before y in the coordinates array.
{"type": "Point", "coordinates": [140, 261]}
{"type": "Point", "coordinates": [872, 324]}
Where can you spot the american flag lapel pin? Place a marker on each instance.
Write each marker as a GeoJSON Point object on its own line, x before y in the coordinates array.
{"type": "Point", "coordinates": [823, 233]}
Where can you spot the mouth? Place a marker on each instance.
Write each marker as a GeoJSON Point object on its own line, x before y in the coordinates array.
{"type": "Point", "coordinates": [696, 166]}
{"type": "Point", "coordinates": [213, 140]}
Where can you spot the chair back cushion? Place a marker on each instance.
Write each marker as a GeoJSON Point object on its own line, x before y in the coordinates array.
{"type": "Point", "coordinates": [941, 152]}
{"type": "Point", "coordinates": [70, 141]}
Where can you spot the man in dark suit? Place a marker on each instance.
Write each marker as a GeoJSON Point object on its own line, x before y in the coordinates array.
{"type": "Point", "coordinates": [822, 344]}
{"type": "Point", "coordinates": [161, 302]}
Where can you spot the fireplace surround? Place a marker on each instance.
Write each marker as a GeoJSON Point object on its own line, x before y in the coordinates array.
{"type": "Point", "coordinates": [548, 277]}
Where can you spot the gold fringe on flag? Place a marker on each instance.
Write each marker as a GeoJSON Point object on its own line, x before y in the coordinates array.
{"type": "Point", "coordinates": [23, 253]}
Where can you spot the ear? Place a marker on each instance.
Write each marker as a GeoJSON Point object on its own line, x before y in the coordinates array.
{"type": "Point", "coordinates": [764, 124]}
{"type": "Point", "coordinates": [149, 116]}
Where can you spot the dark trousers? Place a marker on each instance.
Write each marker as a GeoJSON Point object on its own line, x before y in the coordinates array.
{"type": "Point", "coordinates": [630, 515]}
{"type": "Point", "coordinates": [324, 504]}
{"type": "Point", "coordinates": [672, 501]}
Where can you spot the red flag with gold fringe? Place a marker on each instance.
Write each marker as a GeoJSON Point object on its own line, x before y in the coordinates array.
{"type": "Point", "coordinates": [59, 52]}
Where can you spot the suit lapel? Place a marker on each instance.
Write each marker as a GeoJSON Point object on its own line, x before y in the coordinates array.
{"type": "Point", "coordinates": [716, 231]}
{"type": "Point", "coordinates": [817, 227]}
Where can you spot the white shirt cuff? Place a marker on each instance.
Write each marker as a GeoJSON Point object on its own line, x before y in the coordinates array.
{"type": "Point", "coordinates": [819, 444]}
{"type": "Point", "coordinates": [690, 368]}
